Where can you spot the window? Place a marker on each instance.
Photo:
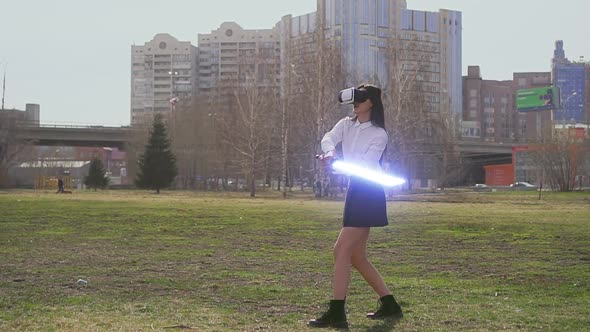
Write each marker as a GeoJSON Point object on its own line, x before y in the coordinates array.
{"type": "Point", "coordinates": [303, 24]}
{"type": "Point", "coordinates": [419, 21]}
{"type": "Point", "coordinates": [407, 20]}
{"type": "Point", "coordinates": [473, 93]}
{"type": "Point", "coordinates": [432, 22]}
{"type": "Point", "coordinates": [310, 18]}
{"type": "Point", "coordinates": [364, 19]}
{"type": "Point", "coordinates": [383, 9]}
{"type": "Point", "coordinates": [338, 14]}
{"type": "Point", "coordinates": [328, 14]}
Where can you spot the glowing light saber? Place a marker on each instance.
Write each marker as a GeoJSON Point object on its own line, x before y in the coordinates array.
{"type": "Point", "coordinates": [367, 174]}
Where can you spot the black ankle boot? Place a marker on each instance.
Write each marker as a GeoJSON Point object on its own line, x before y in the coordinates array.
{"type": "Point", "coordinates": [388, 308]}
{"type": "Point", "coordinates": [335, 317]}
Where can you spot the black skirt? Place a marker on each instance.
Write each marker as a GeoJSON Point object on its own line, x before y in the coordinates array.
{"type": "Point", "coordinates": [365, 204]}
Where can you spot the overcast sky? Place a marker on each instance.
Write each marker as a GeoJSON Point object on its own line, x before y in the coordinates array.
{"type": "Point", "coordinates": [73, 56]}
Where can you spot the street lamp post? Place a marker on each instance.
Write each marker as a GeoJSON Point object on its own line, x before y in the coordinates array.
{"type": "Point", "coordinates": [174, 100]}
{"type": "Point", "coordinates": [284, 130]}
{"type": "Point", "coordinates": [290, 72]}
{"type": "Point", "coordinates": [173, 74]}
{"type": "Point", "coordinates": [562, 107]}
{"type": "Point", "coordinates": [3, 87]}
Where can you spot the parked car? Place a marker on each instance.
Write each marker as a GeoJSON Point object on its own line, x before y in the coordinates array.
{"type": "Point", "coordinates": [523, 186]}
{"type": "Point", "coordinates": [481, 187]}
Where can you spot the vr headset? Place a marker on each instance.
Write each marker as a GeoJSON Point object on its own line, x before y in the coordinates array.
{"type": "Point", "coordinates": [352, 95]}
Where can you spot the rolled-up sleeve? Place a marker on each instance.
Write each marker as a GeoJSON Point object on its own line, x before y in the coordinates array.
{"type": "Point", "coordinates": [334, 136]}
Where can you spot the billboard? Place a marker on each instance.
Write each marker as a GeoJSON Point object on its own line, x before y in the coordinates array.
{"type": "Point", "coordinates": [537, 99]}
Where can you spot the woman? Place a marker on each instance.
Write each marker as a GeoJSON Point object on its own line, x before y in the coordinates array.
{"type": "Point", "coordinates": [363, 140]}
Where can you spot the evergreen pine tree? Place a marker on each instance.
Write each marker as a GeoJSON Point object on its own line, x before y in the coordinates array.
{"type": "Point", "coordinates": [96, 175]}
{"type": "Point", "coordinates": [157, 166]}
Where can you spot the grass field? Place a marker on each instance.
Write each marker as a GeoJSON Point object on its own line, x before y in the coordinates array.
{"type": "Point", "coordinates": [213, 262]}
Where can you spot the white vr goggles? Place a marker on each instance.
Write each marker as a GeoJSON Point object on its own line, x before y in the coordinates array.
{"type": "Point", "coordinates": [352, 95]}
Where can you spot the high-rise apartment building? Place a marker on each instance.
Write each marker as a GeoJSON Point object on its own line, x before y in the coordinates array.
{"type": "Point", "coordinates": [232, 63]}
{"type": "Point", "coordinates": [372, 33]}
{"type": "Point", "coordinates": [163, 76]}
{"type": "Point", "coordinates": [365, 33]}
{"type": "Point", "coordinates": [379, 41]}
{"type": "Point", "coordinates": [376, 42]}
{"type": "Point", "coordinates": [375, 36]}
{"type": "Point", "coordinates": [299, 50]}
{"type": "Point", "coordinates": [231, 55]}
{"type": "Point", "coordinates": [587, 102]}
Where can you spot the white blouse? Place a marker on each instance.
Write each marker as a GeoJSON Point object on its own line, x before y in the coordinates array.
{"type": "Point", "coordinates": [362, 143]}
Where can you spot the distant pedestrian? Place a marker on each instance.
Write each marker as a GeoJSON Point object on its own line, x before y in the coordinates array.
{"type": "Point", "coordinates": [60, 186]}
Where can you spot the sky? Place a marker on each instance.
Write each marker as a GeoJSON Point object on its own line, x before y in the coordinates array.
{"type": "Point", "coordinates": [73, 56]}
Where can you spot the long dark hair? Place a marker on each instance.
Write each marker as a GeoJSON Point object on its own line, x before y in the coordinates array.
{"type": "Point", "coordinates": [377, 111]}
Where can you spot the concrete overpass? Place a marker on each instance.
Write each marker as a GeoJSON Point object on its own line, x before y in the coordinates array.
{"type": "Point", "coordinates": [103, 136]}
{"type": "Point", "coordinates": [69, 135]}
{"type": "Point", "coordinates": [474, 154]}
{"type": "Point", "coordinates": [469, 147]}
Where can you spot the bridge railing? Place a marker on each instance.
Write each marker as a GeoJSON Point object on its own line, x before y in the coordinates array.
{"type": "Point", "coordinates": [65, 125]}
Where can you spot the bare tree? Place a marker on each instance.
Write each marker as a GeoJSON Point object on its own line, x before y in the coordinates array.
{"type": "Point", "coordinates": [214, 109]}
{"type": "Point", "coordinates": [247, 127]}
{"type": "Point", "coordinates": [188, 142]}
{"type": "Point", "coordinates": [561, 159]}
{"type": "Point", "coordinates": [313, 79]}
{"type": "Point", "coordinates": [12, 148]}
{"type": "Point", "coordinates": [417, 123]}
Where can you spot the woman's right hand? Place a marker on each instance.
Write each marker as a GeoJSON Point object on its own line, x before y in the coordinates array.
{"type": "Point", "coordinates": [325, 160]}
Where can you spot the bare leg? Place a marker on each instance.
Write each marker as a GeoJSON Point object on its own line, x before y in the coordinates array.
{"type": "Point", "coordinates": [348, 240]}
{"type": "Point", "coordinates": [366, 269]}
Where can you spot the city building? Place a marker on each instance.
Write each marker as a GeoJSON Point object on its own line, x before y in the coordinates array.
{"type": "Point", "coordinates": [163, 76]}
{"type": "Point", "coordinates": [379, 42]}
{"type": "Point", "coordinates": [587, 101]}
{"type": "Point", "coordinates": [569, 77]}
{"type": "Point", "coordinates": [299, 51]}
{"type": "Point", "coordinates": [378, 37]}
{"type": "Point", "coordinates": [233, 65]}
{"type": "Point", "coordinates": [490, 113]}
{"type": "Point", "coordinates": [231, 55]}
{"type": "Point", "coordinates": [29, 116]}
{"type": "Point", "coordinates": [343, 43]}
{"type": "Point", "coordinates": [371, 37]}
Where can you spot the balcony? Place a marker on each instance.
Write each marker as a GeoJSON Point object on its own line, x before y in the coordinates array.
{"type": "Point", "coordinates": [162, 66]}
{"type": "Point", "coordinates": [228, 46]}
{"type": "Point", "coordinates": [229, 62]}
{"type": "Point", "coordinates": [162, 90]}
